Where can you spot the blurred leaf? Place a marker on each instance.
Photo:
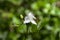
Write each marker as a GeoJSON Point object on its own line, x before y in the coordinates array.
{"type": "Point", "coordinates": [34, 6]}
{"type": "Point", "coordinates": [29, 37]}
{"type": "Point", "coordinates": [13, 36]}
{"type": "Point", "coordinates": [16, 2]}
{"type": "Point", "coordinates": [15, 21]}
{"type": "Point", "coordinates": [34, 28]}
{"type": "Point", "coordinates": [22, 28]}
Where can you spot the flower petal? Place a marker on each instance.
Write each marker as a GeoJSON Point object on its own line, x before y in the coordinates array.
{"type": "Point", "coordinates": [30, 15]}
{"type": "Point", "coordinates": [27, 20]}
{"type": "Point", "coordinates": [33, 22]}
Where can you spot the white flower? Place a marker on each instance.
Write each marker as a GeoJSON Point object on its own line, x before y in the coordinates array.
{"type": "Point", "coordinates": [30, 18]}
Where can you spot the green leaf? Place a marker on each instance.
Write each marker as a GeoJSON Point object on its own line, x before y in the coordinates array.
{"type": "Point", "coordinates": [13, 36]}
{"type": "Point", "coordinates": [34, 6]}
{"type": "Point", "coordinates": [15, 21]}
{"type": "Point", "coordinates": [22, 28]}
{"type": "Point", "coordinates": [16, 2]}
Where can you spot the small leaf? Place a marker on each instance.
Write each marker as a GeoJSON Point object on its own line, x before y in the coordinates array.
{"type": "Point", "coordinates": [15, 21]}
{"type": "Point", "coordinates": [22, 28]}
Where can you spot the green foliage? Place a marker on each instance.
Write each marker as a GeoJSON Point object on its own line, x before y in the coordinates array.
{"type": "Point", "coordinates": [14, 12]}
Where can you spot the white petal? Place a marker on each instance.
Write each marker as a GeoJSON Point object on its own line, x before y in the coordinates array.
{"type": "Point", "coordinates": [33, 22]}
{"type": "Point", "coordinates": [30, 15]}
{"type": "Point", "coordinates": [27, 20]}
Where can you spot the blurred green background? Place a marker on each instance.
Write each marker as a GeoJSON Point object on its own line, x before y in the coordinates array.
{"type": "Point", "coordinates": [12, 16]}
